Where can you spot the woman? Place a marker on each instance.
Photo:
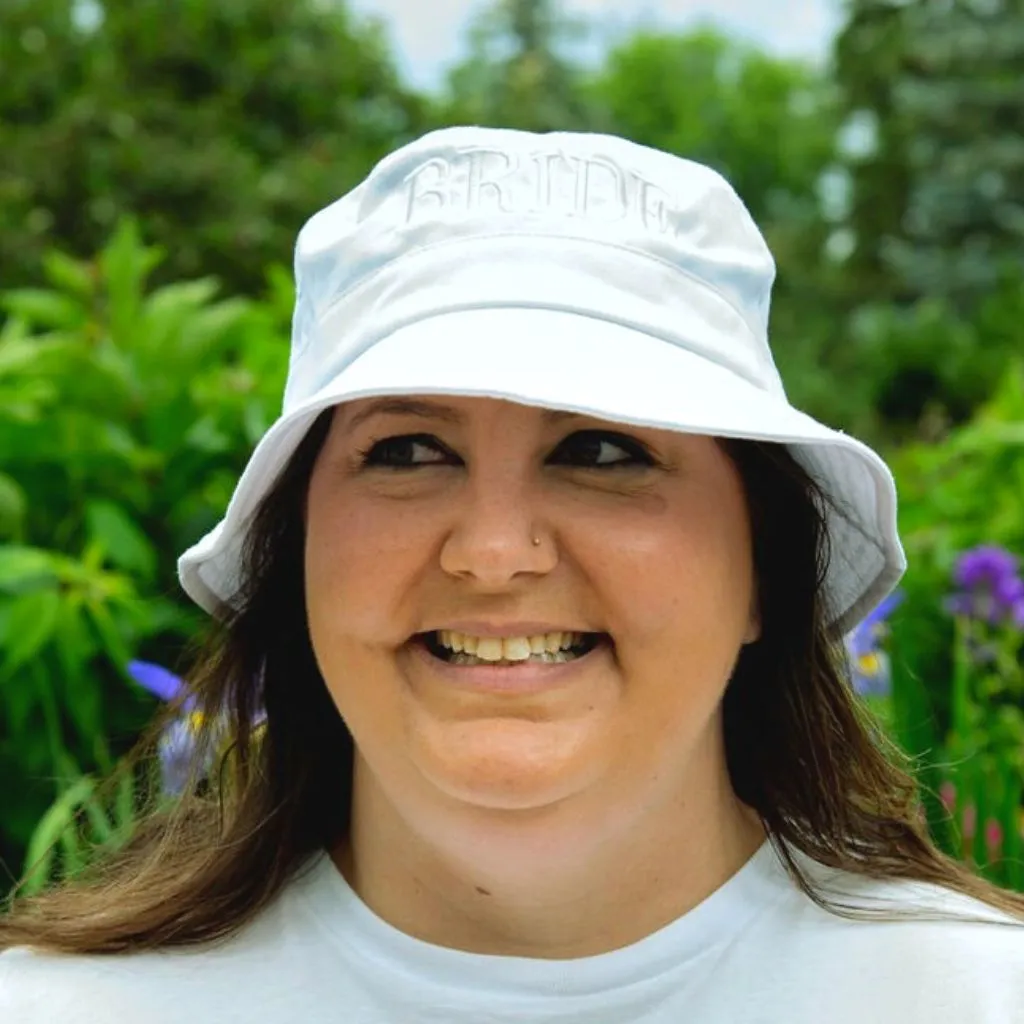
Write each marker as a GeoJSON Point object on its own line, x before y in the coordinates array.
{"type": "Point", "coordinates": [540, 583]}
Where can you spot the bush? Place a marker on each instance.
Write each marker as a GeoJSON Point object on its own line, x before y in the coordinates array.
{"type": "Point", "coordinates": [958, 680]}
{"type": "Point", "coordinates": [221, 125]}
{"type": "Point", "coordinates": [126, 416]}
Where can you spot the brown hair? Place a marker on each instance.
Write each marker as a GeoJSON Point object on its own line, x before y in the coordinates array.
{"type": "Point", "coordinates": [801, 749]}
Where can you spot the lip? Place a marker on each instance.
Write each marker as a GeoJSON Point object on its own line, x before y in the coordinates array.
{"type": "Point", "coordinates": [507, 629]}
{"type": "Point", "coordinates": [511, 680]}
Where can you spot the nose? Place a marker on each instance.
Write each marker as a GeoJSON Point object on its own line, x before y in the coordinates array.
{"type": "Point", "coordinates": [498, 535]}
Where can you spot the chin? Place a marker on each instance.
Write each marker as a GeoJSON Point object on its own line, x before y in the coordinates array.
{"type": "Point", "coordinates": [508, 766]}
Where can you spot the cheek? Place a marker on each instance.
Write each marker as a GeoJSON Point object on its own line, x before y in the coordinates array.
{"type": "Point", "coordinates": [359, 561]}
{"type": "Point", "coordinates": [680, 600]}
{"type": "Point", "coordinates": [354, 587]}
{"type": "Point", "coordinates": [686, 569]}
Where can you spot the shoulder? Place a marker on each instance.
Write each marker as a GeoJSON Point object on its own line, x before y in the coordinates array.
{"type": "Point", "coordinates": [37, 988]}
{"type": "Point", "coordinates": [931, 951]}
{"type": "Point", "coordinates": [159, 987]}
{"type": "Point", "coordinates": [180, 985]}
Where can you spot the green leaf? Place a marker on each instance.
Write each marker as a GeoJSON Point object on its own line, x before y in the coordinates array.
{"type": "Point", "coordinates": [39, 857]}
{"type": "Point", "coordinates": [20, 699]}
{"type": "Point", "coordinates": [126, 263]}
{"type": "Point", "coordinates": [102, 827]}
{"type": "Point", "coordinates": [255, 420]}
{"type": "Point", "coordinates": [13, 504]}
{"type": "Point", "coordinates": [21, 567]}
{"type": "Point", "coordinates": [125, 544]}
{"type": "Point", "coordinates": [74, 856]}
{"type": "Point", "coordinates": [39, 860]}
{"type": "Point", "coordinates": [75, 643]}
{"type": "Point", "coordinates": [173, 302]}
{"type": "Point", "coordinates": [912, 715]}
{"type": "Point", "coordinates": [33, 619]}
{"type": "Point", "coordinates": [31, 357]}
{"type": "Point", "coordinates": [78, 689]}
{"type": "Point", "coordinates": [207, 437]}
{"type": "Point", "coordinates": [124, 808]}
{"type": "Point", "coordinates": [69, 274]}
{"type": "Point", "coordinates": [43, 307]}
{"type": "Point", "coordinates": [109, 634]}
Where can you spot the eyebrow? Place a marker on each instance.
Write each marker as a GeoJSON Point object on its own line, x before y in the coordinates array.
{"type": "Point", "coordinates": [397, 406]}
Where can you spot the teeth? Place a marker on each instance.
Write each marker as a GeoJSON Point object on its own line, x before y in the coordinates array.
{"type": "Point", "coordinates": [547, 658]}
{"type": "Point", "coordinates": [513, 648]}
{"type": "Point", "coordinates": [489, 648]}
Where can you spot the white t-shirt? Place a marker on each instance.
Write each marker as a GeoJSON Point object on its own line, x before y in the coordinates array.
{"type": "Point", "coordinates": [757, 951]}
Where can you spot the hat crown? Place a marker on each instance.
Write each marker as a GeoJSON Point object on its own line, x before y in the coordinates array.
{"type": "Point", "coordinates": [471, 184]}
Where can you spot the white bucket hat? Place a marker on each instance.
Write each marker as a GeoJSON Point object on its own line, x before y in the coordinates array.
{"type": "Point", "coordinates": [570, 271]}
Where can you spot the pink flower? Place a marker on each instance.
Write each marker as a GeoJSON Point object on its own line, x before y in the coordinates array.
{"type": "Point", "coordinates": [947, 793]}
{"type": "Point", "coordinates": [970, 821]}
{"type": "Point", "coordinates": [993, 837]}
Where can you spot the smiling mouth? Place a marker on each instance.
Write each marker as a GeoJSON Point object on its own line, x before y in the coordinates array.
{"type": "Point", "coordinates": [573, 647]}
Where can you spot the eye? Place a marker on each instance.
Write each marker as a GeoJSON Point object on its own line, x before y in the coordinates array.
{"type": "Point", "coordinates": [601, 449]}
{"type": "Point", "coordinates": [406, 452]}
{"type": "Point", "coordinates": [597, 449]}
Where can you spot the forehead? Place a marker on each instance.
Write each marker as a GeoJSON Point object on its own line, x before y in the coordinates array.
{"type": "Point", "coordinates": [454, 409]}
{"type": "Point", "coordinates": [462, 411]}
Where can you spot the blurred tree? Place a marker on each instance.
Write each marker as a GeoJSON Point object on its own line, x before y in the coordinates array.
{"type": "Point", "coordinates": [934, 97]}
{"type": "Point", "coordinates": [868, 59]}
{"type": "Point", "coordinates": [517, 73]}
{"type": "Point", "coordinates": [222, 125]}
{"type": "Point", "coordinates": [768, 124]}
{"type": "Point", "coordinates": [936, 88]}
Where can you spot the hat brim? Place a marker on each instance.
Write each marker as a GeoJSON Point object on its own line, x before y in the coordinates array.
{"type": "Point", "coordinates": [596, 367]}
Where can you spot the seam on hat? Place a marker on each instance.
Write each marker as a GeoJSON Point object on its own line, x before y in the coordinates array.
{"type": "Point", "coordinates": [516, 234]}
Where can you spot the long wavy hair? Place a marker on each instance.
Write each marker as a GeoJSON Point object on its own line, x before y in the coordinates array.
{"type": "Point", "coordinates": [801, 749]}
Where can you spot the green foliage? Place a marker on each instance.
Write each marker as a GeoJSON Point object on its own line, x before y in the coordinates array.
{"type": "Point", "coordinates": [76, 827]}
{"type": "Point", "coordinates": [984, 757]}
{"type": "Point", "coordinates": [968, 489]}
{"type": "Point", "coordinates": [912, 372]}
{"type": "Point", "coordinates": [132, 410]}
{"type": "Point", "coordinates": [222, 125]}
{"type": "Point", "coordinates": [964, 720]}
{"type": "Point", "coordinates": [768, 124]}
{"type": "Point", "coordinates": [954, 496]}
{"type": "Point", "coordinates": [935, 212]}
{"type": "Point", "coordinates": [939, 205]}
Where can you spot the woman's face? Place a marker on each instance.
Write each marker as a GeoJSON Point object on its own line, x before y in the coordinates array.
{"type": "Point", "coordinates": [421, 520]}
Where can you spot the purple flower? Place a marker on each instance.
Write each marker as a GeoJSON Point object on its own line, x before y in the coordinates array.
{"type": "Point", "coordinates": [177, 744]}
{"type": "Point", "coordinates": [1009, 591]}
{"type": "Point", "coordinates": [869, 664]}
{"type": "Point", "coordinates": [177, 747]}
{"type": "Point", "coordinates": [160, 682]}
{"type": "Point", "coordinates": [990, 588]}
{"type": "Point", "coordinates": [984, 566]}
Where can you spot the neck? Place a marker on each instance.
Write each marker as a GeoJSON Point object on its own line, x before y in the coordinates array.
{"type": "Point", "coordinates": [525, 885]}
